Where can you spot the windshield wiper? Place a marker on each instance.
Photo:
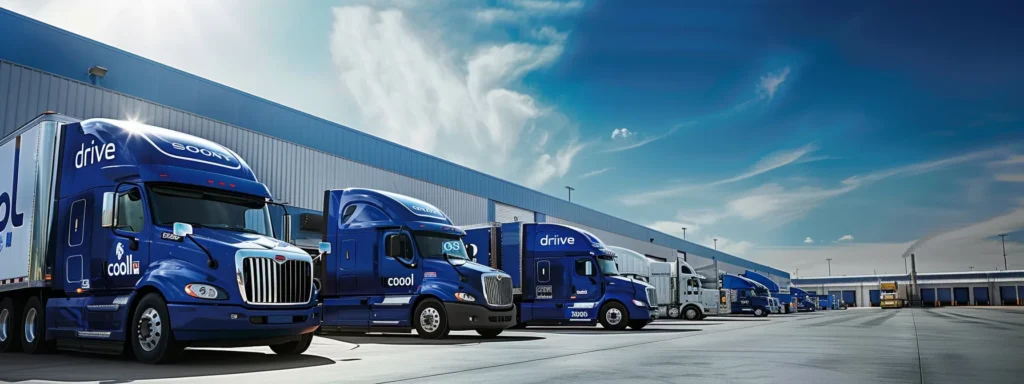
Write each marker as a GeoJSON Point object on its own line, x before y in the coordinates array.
{"type": "Point", "coordinates": [194, 225]}
{"type": "Point", "coordinates": [241, 229]}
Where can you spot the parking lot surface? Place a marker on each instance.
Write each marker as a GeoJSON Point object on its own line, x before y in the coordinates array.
{"type": "Point", "coordinates": [943, 345]}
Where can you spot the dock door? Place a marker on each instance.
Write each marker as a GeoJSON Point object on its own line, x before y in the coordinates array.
{"type": "Point", "coordinates": [945, 296]}
{"type": "Point", "coordinates": [962, 296]}
{"type": "Point", "coordinates": [876, 297]}
{"type": "Point", "coordinates": [850, 298]}
{"type": "Point", "coordinates": [928, 297]}
{"type": "Point", "coordinates": [1008, 295]}
{"type": "Point", "coordinates": [981, 296]}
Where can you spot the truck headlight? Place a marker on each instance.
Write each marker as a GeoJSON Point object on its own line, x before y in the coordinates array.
{"type": "Point", "coordinates": [205, 291]}
{"type": "Point", "coordinates": [462, 296]}
{"type": "Point", "coordinates": [639, 303]}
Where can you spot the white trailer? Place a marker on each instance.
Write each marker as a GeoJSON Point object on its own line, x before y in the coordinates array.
{"type": "Point", "coordinates": [632, 264]}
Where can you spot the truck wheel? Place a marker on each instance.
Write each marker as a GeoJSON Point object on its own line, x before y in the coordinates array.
{"type": "Point", "coordinates": [759, 312]}
{"type": "Point", "coordinates": [691, 313]}
{"type": "Point", "coordinates": [10, 325]}
{"type": "Point", "coordinates": [673, 313]}
{"type": "Point", "coordinates": [638, 324]}
{"type": "Point", "coordinates": [296, 347]}
{"type": "Point", "coordinates": [614, 316]}
{"type": "Point", "coordinates": [430, 319]}
{"type": "Point", "coordinates": [33, 338]}
{"type": "Point", "coordinates": [151, 336]}
{"type": "Point", "coordinates": [489, 333]}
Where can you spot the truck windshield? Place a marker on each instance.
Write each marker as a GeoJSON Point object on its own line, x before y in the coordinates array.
{"type": "Point", "coordinates": [607, 265]}
{"type": "Point", "coordinates": [435, 245]}
{"type": "Point", "coordinates": [209, 208]}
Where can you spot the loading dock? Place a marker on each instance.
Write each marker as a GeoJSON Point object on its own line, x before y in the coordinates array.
{"type": "Point", "coordinates": [961, 296]}
{"type": "Point", "coordinates": [1008, 295]}
{"type": "Point", "coordinates": [928, 297]}
{"type": "Point", "coordinates": [981, 296]}
{"type": "Point", "coordinates": [945, 296]}
{"type": "Point", "coordinates": [850, 298]}
{"type": "Point", "coordinates": [876, 297]}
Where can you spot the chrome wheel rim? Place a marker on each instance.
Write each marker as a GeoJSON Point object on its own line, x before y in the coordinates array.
{"type": "Point", "coordinates": [674, 312]}
{"type": "Point", "coordinates": [150, 329]}
{"type": "Point", "coordinates": [5, 319]}
{"type": "Point", "coordinates": [691, 313]}
{"type": "Point", "coordinates": [30, 325]}
{"type": "Point", "coordinates": [430, 320]}
{"type": "Point", "coordinates": [614, 316]}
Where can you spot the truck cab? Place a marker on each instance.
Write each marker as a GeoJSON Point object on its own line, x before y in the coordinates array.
{"type": "Point", "coordinates": [563, 276]}
{"type": "Point", "coordinates": [803, 300]}
{"type": "Point", "coordinates": [392, 263]}
{"type": "Point", "coordinates": [146, 241]}
{"type": "Point", "coordinates": [687, 297]}
{"type": "Point", "coordinates": [781, 298]}
{"type": "Point", "coordinates": [746, 296]}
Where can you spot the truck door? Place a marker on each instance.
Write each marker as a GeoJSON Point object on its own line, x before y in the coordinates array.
{"type": "Point", "coordinates": [550, 290]}
{"type": "Point", "coordinates": [585, 291]}
{"type": "Point", "coordinates": [126, 254]}
{"type": "Point", "coordinates": [691, 290]}
{"type": "Point", "coordinates": [76, 249]}
{"type": "Point", "coordinates": [400, 275]}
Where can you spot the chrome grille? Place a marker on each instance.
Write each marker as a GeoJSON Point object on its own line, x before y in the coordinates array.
{"type": "Point", "coordinates": [266, 281]}
{"type": "Point", "coordinates": [498, 290]}
{"type": "Point", "coordinates": [652, 297]}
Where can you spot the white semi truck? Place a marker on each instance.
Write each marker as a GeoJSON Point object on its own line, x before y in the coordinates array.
{"type": "Point", "coordinates": [681, 292]}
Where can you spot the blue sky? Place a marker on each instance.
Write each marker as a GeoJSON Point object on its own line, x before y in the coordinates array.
{"type": "Point", "coordinates": [792, 132]}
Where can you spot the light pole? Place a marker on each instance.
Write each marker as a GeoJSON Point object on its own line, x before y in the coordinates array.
{"type": "Point", "coordinates": [570, 192]}
{"type": "Point", "coordinates": [716, 244]}
{"type": "Point", "coordinates": [798, 273]}
{"type": "Point", "coordinates": [684, 233]}
{"type": "Point", "coordinates": [829, 266]}
{"type": "Point", "coordinates": [1003, 238]}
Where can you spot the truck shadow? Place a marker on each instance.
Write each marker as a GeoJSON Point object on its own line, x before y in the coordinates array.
{"type": "Point", "coordinates": [411, 339]}
{"type": "Point", "coordinates": [75, 367]}
{"type": "Point", "coordinates": [600, 331]}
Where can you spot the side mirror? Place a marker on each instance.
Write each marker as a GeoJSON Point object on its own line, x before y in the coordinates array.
{"type": "Point", "coordinates": [590, 268]}
{"type": "Point", "coordinates": [471, 250]}
{"type": "Point", "coordinates": [324, 248]}
{"type": "Point", "coordinates": [182, 229]}
{"type": "Point", "coordinates": [108, 215]}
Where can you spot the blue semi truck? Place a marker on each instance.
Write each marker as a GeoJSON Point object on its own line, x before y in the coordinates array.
{"type": "Point", "coordinates": [563, 275]}
{"type": "Point", "coordinates": [392, 263]}
{"type": "Point", "coordinates": [787, 303]}
{"type": "Point", "coordinates": [803, 300]}
{"type": "Point", "coordinates": [119, 237]}
{"type": "Point", "coordinates": [746, 295]}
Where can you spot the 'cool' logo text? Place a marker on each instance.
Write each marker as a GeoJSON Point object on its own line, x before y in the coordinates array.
{"type": "Point", "coordinates": [400, 281]}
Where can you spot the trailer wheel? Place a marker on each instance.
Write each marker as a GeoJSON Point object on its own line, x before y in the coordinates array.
{"type": "Point", "coordinates": [33, 338]}
{"type": "Point", "coordinates": [151, 336]}
{"type": "Point", "coordinates": [760, 312]}
{"type": "Point", "coordinates": [614, 316]}
{"type": "Point", "coordinates": [691, 313]}
{"type": "Point", "coordinates": [673, 313]}
{"type": "Point", "coordinates": [296, 347]}
{"type": "Point", "coordinates": [10, 324]}
{"type": "Point", "coordinates": [430, 320]}
{"type": "Point", "coordinates": [489, 333]}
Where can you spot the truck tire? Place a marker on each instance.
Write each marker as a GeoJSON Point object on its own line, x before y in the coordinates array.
{"type": "Point", "coordinates": [673, 313]}
{"type": "Point", "coordinates": [691, 313]}
{"type": "Point", "coordinates": [150, 332]}
{"type": "Point", "coordinates": [10, 327]}
{"type": "Point", "coordinates": [33, 335]}
{"type": "Point", "coordinates": [489, 333]}
{"type": "Point", "coordinates": [760, 312]}
{"type": "Point", "coordinates": [638, 324]}
{"type": "Point", "coordinates": [430, 320]}
{"type": "Point", "coordinates": [613, 316]}
{"type": "Point", "coordinates": [293, 348]}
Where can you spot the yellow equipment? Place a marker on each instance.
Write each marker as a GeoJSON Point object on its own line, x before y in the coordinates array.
{"type": "Point", "coordinates": [890, 298]}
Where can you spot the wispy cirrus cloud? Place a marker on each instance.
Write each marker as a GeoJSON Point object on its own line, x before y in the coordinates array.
{"type": "Point", "coordinates": [766, 164]}
{"type": "Point", "coordinates": [771, 82]}
{"type": "Point", "coordinates": [641, 142]}
{"type": "Point", "coordinates": [518, 11]}
{"type": "Point", "coordinates": [595, 173]}
{"type": "Point", "coordinates": [845, 238]}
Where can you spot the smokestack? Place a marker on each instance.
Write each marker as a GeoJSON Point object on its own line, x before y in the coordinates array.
{"type": "Point", "coordinates": [913, 278]}
{"type": "Point", "coordinates": [287, 227]}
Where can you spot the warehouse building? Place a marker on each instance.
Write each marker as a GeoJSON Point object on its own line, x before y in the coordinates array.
{"type": "Point", "coordinates": [43, 68]}
{"type": "Point", "coordinates": [933, 289]}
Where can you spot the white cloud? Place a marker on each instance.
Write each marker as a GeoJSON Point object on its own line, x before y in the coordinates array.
{"type": "Point", "coordinates": [523, 10]}
{"type": "Point", "coordinates": [808, 240]}
{"type": "Point", "coordinates": [768, 163]}
{"type": "Point", "coordinates": [548, 167]}
{"type": "Point", "coordinates": [492, 15]}
{"type": "Point", "coordinates": [770, 83]}
{"type": "Point", "coordinates": [1010, 160]}
{"type": "Point", "coordinates": [732, 247]}
{"type": "Point", "coordinates": [640, 143]}
{"type": "Point", "coordinates": [845, 238]}
{"type": "Point", "coordinates": [1010, 177]}
{"type": "Point", "coordinates": [923, 167]}
{"type": "Point", "coordinates": [421, 93]}
{"type": "Point", "coordinates": [674, 228]}
{"type": "Point", "coordinates": [621, 133]}
{"type": "Point", "coordinates": [549, 6]}
{"type": "Point", "coordinates": [594, 173]}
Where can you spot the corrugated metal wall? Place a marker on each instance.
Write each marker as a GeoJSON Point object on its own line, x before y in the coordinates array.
{"type": "Point", "coordinates": [609, 238]}
{"type": "Point", "coordinates": [504, 213]}
{"type": "Point", "coordinates": [295, 174]}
